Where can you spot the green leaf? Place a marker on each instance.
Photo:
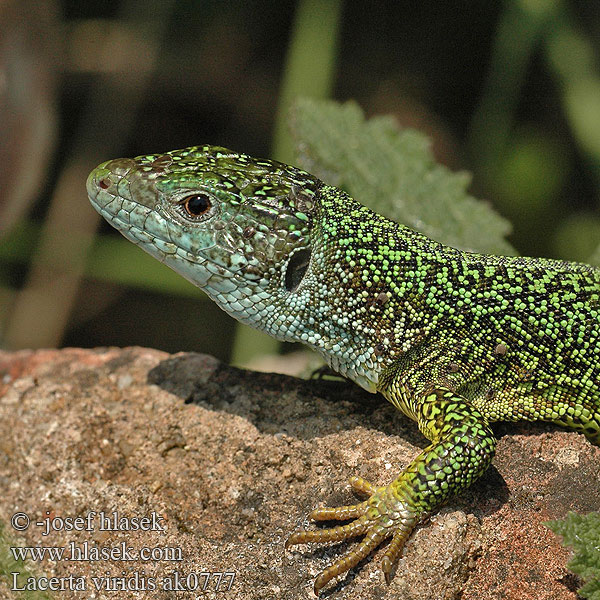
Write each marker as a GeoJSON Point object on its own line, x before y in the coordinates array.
{"type": "Point", "coordinates": [9, 564]}
{"type": "Point", "coordinates": [393, 172]}
{"type": "Point", "coordinates": [582, 533]}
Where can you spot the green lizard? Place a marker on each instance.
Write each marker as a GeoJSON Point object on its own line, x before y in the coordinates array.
{"type": "Point", "coordinates": [454, 340]}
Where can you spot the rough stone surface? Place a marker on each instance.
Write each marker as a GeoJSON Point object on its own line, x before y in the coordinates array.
{"type": "Point", "coordinates": [234, 460]}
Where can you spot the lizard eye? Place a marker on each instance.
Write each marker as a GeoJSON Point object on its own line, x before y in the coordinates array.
{"type": "Point", "coordinates": [196, 205]}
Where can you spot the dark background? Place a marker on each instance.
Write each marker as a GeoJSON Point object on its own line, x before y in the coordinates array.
{"type": "Point", "coordinates": [507, 90]}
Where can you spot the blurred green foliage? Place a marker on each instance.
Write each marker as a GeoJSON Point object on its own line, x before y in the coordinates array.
{"type": "Point", "coordinates": [111, 259]}
{"type": "Point", "coordinates": [9, 564]}
{"type": "Point", "coordinates": [582, 533]}
{"type": "Point", "coordinates": [595, 257]}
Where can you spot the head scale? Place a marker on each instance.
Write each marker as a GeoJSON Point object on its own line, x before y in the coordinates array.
{"type": "Point", "coordinates": [238, 227]}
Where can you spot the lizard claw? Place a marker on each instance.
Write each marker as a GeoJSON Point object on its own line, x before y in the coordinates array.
{"type": "Point", "coordinates": [382, 516]}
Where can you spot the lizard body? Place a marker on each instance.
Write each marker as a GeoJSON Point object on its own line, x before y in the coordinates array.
{"type": "Point", "coordinates": [455, 340]}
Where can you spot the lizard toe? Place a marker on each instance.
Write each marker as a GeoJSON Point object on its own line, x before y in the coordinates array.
{"type": "Point", "coordinates": [382, 516]}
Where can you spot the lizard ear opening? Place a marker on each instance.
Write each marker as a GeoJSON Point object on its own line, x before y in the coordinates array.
{"type": "Point", "coordinates": [296, 269]}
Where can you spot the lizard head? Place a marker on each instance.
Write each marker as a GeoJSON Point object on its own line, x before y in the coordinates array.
{"type": "Point", "coordinates": [238, 227]}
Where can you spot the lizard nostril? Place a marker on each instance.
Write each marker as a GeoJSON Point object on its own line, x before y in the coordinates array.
{"type": "Point", "coordinates": [104, 183]}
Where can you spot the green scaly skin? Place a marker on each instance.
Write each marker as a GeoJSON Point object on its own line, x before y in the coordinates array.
{"type": "Point", "coordinates": [455, 340]}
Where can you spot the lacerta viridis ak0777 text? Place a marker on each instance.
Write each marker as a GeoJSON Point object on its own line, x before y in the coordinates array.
{"type": "Point", "coordinates": [455, 340]}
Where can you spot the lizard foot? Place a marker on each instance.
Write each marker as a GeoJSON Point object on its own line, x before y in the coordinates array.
{"type": "Point", "coordinates": [385, 514]}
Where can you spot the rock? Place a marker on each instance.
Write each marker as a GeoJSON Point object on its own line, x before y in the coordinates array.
{"type": "Point", "coordinates": [228, 462]}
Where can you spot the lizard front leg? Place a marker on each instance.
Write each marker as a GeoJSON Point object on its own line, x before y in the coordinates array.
{"type": "Point", "coordinates": [461, 449]}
